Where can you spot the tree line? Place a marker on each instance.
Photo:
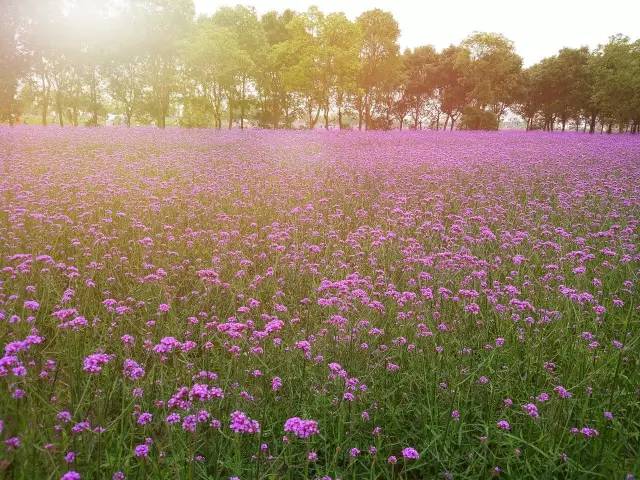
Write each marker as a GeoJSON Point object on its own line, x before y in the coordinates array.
{"type": "Point", "coordinates": [74, 61]}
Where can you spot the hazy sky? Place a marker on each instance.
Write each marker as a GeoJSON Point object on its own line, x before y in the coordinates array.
{"type": "Point", "coordinates": [538, 27]}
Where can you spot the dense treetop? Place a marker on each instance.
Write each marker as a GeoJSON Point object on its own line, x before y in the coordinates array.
{"type": "Point", "coordinates": [153, 61]}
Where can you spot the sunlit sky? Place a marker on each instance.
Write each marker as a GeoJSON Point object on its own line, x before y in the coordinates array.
{"type": "Point", "coordinates": [539, 28]}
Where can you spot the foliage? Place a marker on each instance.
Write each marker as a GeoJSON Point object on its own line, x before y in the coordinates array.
{"type": "Point", "coordinates": [75, 60]}
{"type": "Point", "coordinates": [474, 118]}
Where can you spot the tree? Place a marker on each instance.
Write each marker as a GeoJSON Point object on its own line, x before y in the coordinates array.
{"type": "Point", "coordinates": [302, 68]}
{"type": "Point", "coordinates": [239, 49]}
{"type": "Point", "coordinates": [124, 66]}
{"type": "Point", "coordinates": [571, 84]}
{"type": "Point", "coordinates": [275, 101]}
{"type": "Point", "coordinates": [339, 46]}
{"type": "Point", "coordinates": [493, 72]}
{"type": "Point", "coordinates": [379, 60]}
{"type": "Point", "coordinates": [451, 86]}
{"type": "Point", "coordinates": [209, 53]}
{"type": "Point", "coordinates": [14, 57]}
{"type": "Point", "coordinates": [165, 23]}
{"type": "Point", "coordinates": [420, 66]}
{"type": "Point", "coordinates": [617, 83]}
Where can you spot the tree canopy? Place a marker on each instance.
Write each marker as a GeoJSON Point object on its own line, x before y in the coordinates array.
{"type": "Point", "coordinates": [152, 61]}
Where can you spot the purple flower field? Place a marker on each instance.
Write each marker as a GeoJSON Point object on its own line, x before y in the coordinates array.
{"type": "Point", "coordinates": [325, 305]}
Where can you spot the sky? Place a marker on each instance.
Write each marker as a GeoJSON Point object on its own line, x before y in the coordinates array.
{"type": "Point", "coordinates": [539, 28]}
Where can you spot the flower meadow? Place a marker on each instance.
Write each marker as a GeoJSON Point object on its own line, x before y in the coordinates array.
{"type": "Point", "coordinates": [325, 305]}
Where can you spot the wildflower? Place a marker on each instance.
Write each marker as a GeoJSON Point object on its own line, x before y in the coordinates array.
{"type": "Point", "coordinates": [562, 392]}
{"type": "Point", "coordinates": [31, 305]}
{"type": "Point", "coordinates": [410, 453]}
{"type": "Point", "coordinates": [173, 418]}
{"type": "Point", "coordinates": [64, 416]}
{"type": "Point", "coordinates": [132, 370]}
{"type": "Point", "coordinates": [531, 410]}
{"type": "Point", "coordinates": [241, 423]}
{"type": "Point", "coordinates": [300, 427]}
{"type": "Point", "coordinates": [70, 475]}
{"type": "Point", "coordinates": [94, 362]}
{"type": "Point", "coordinates": [142, 450]}
{"type": "Point", "coordinates": [503, 425]}
{"type": "Point", "coordinates": [145, 418]}
{"type": "Point", "coordinates": [543, 397]}
{"type": "Point", "coordinates": [13, 443]}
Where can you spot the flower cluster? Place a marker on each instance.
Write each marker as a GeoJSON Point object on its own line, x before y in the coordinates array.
{"type": "Point", "coordinates": [301, 428]}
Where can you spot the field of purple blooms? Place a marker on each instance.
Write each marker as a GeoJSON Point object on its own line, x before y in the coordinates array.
{"type": "Point", "coordinates": [192, 304]}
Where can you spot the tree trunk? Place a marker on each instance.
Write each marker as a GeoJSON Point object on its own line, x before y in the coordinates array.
{"type": "Point", "coordinates": [592, 123]}
{"type": "Point", "coordinates": [339, 118]}
{"type": "Point", "coordinates": [94, 100]}
{"type": "Point", "coordinates": [244, 86]}
{"type": "Point", "coordinates": [446, 122]}
{"type": "Point", "coordinates": [59, 109]}
{"type": "Point", "coordinates": [45, 100]}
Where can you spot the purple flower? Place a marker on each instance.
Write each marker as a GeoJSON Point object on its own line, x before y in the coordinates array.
{"type": "Point", "coordinates": [142, 450]}
{"type": "Point", "coordinates": [94, 362]}
{"type": "Point", "coordinates": [70, 475]}
{"type": "Point", "coordinates": [503, 425]}
{"type": "Point", "coordinates": [531, 409]}
{"type": "Point", "coordinates": [145, 418]}
{"type": "Point", "coordinates": [241, 423]}
{"type": "Point", "coordinates": [300, 427]}
{"type": "Point", "coordinates": [562, 392]}
{"type": "Point", "coordinates": [410, 453]}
